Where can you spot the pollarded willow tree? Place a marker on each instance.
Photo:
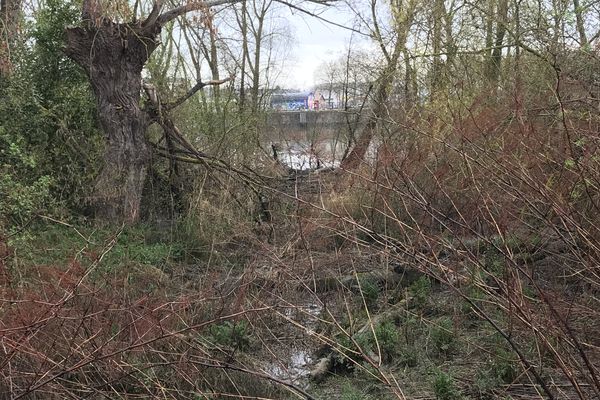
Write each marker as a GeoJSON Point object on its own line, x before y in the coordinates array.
{"type": "Point", "coordinates": [113, 54]}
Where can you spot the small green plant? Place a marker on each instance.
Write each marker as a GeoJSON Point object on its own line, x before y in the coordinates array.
{"type": "Point", "coordinates": [501, 369]}
{"type": "Point", "coordinates": [503, 366]}
{"type": "Point", "coordinates": [345, 350]}
{"type": "Point", "coordinates": [420, 291]}
{"type": "Point", "coordinates": [351, 350]}
{"type": "Point", "coordinates": [351, 392]}
{"type": "Point", "coordinates": [388, 337]}
{"type": "Point", "coordinates": [529, 291]}
{"type": "Point", "coordinates": [408, 356]}
{"type": "Point", "coordinates": [231, 334]}
{"type": "Point", "coordinates": [444, 387]}
{"type": "Point", "coordinates": [494, 261]}
{"type": "Point", "coordinates": [442, 336]}
{"type": "Point", "coordinates": [484, 383]}
{"type": "Point", "coordinates": [476, 295]}
{"type": "Point", "coordinates": [370, 292]}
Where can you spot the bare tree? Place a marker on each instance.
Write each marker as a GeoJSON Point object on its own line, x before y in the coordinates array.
{"type": "Point", "coordinates": [501, 18]}
{"type": "Point", "coordinates": [403, 13]}
{"type": "Point", "coordinates": [255, 25]}
{"type": "Point", "coordinates": [580, 24]}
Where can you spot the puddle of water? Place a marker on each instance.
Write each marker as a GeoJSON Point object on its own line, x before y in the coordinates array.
{"type": "Point", "coordinates": [295, 365]}
{"type": "Point", "coordinates": [295, 370]}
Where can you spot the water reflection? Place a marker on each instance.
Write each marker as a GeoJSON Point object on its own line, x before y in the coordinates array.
{"type": "Point", "coordinates": [303, 155]}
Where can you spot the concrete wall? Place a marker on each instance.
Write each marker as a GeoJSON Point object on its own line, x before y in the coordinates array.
{"type": "Point", "coordinates": [308, 125]}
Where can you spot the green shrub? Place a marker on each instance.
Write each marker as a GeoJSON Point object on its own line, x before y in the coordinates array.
{"type": "Point", "coordinates": [388, 337]}
{"type": "Point", "coordinates": [49, 142]}
{"type": "Point", "coordinates": [484, 383]}
{"type": "Point", "coordinates": [370, 292]}
{"type": "Point", "coordinates": [493, 260]}
{"type": "Point", "coordinates": [444, 387]}
{"type": "Point", "coordinates": [503, 366]}
{"type": "Point", "coordinates": [476, 295]}
{"type": "Point", "coordinates": [408, 356]}
{"type": "Point", "coordinates": [24, 191]}
{"type": "Point", "coordinates": [351, 392]}
{"type": "Point", "coordinates": [345, 350]}
{"type": "Point", "coordinates": [412, 329]}
{"type": "Point", "coordinates": [442, 336]}
{"type": "Point", "coordinates": [420, 291]}
{"type": "Point", "coordinates": [231, 334]}
{"type": "Point", "coordinates": [499, 370]}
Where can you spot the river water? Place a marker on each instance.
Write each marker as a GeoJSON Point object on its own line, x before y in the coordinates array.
{"type": "Point", "coordinates": [303, 155]}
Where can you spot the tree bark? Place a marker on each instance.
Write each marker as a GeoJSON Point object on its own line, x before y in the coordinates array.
{"type": "Point", "coordinates": [9, 27]}
{"type": "Point", "coordinates": [495, 42]}
{"type": "Point", "coordinates": [437, 68]}
{"type": "Point", "coordinates": [214, 69]}
{"type": "Point", "coordinates": [489, 38]}
{"type": "Point", "coordinates": [113, 56]}
{"type": "Point", "coordinates": [500, 33]}
{"type": "Point", "coordinates": [259, 16]}
{"type": "Point", "coordinates": [244, 30]}
{"type": "Point", "coordinates": [580, 18]}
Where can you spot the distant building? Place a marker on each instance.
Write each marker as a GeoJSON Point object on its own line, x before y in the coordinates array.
{"type": "Point", "coordinates": [317, 101]}
{"type": "Point", "coordinates": [330, 98]}
{"type": "Point", "coordinates": [289, 101]}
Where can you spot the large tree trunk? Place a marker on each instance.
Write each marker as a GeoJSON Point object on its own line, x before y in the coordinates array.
{"type": "Point", "coordinates": [502, 18]}
{"type": "Point", "coordinates": [244, 29]}
{"type": "Point", "coordinates": [113, 56]}
{"type": "Point", "coordinates": [580, 23]}
{"type": "Point", "coordinates": [9, 26]}
{"type": "Point", "coordinates": [437, 77]}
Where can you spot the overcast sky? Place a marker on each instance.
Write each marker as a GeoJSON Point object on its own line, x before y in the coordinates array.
{"type": "Point", "coordinates": [315, 42]}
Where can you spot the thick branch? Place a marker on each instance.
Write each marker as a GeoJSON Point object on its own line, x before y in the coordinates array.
{"type": "Point", "coordinates": [190, 153]}
{"type": "Point", "coordinates": [193, 91]}
{"type": "Point", "coordinates": [167, 124]}
{"type": "Point", "coordinates": [189, 7]}
{"type": "Point", "coordinates": [91, 11]}
{"type": "Point", "coordinates": [77, 46]}
{"type": "Point", "coordinates": [154, 14]}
